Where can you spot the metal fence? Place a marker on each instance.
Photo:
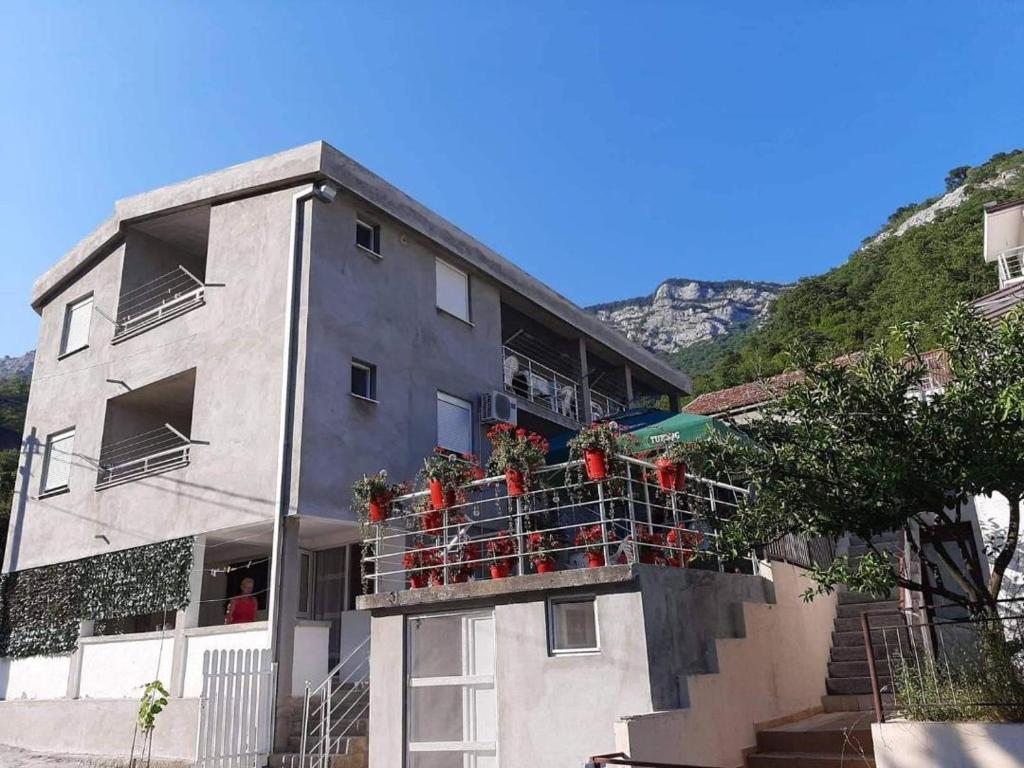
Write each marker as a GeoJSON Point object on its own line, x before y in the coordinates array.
{"type": "Point", "coordinates": [806, 553]}
{"type": "Point", "coordinates": [602, 406]}
{"type": "Point", "coordinates": [967, 667]}
{"type": "Point", "coordinates": [536, 382]}
{"type": "Point", "coordinates": [563, 521]}
{"type": "Point", "coordinates": [1011, 266]}
{"type": "Point", "coordinates": [148, 453]}
{"type": "Point", "coordinates": [161, 298]}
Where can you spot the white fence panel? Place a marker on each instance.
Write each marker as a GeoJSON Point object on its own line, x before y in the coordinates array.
{"type": "Point", "coordinates": [235, 710]}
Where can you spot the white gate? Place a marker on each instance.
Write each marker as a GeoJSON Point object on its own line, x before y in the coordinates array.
{"type": "Point", "coordinates": [235, 711]}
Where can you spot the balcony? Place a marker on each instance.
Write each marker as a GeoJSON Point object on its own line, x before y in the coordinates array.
{"type": "Point", "coordinates": [1011, 266]}
{"type": "Point", "coordinates": [565, 521]}
{"type": "Point", "coordinates": [148, 453]}
{"type": "Point", "coordinates": [602, 406]}
{"type": "Point", "coordinates": [160, 299]}
{"type": "Point", "coordinates": [528, 379]}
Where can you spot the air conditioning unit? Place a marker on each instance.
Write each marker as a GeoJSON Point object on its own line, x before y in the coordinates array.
{"type": "Point", "coordinates": [497, 406]}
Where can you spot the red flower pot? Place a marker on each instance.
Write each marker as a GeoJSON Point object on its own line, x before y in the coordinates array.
{"type": "Point", "coordinates": [379, 509]}
{"type": "Point", "coordinates": [515, 481]}
{"type": "Point", "coordinates": [668, 474]}
{"type": "Point", "coordinates": [595, 559]}
{"type": "Point", "coordinates": [432, 521]}
{"type": "Point", "coordinates": [499, 570]}
{"type": "Point", "coordinates": [417, 580]}
{"type": "Point", "coordinates": [597, 466]}
{"type": "Point", "coordinates": [681, 478]}
{"type": "Point", "coordinates": [546, 565]}
{"type": "Point", "coordinates": [436, 494]}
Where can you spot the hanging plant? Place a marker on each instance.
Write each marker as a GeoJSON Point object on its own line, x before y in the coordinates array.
{"type": "Point", "coordinates": [670, 464]}
{"type": "Point", "coordinates": [502, 549]}
{"type": "Point", "coordinates": [446, 472]}
{"type": "Point", "coordinates": [542, 545]}
{"type": "Point", "coordinates": [516, 453]}
{"type": "Point", "coordinates": [597, 446]}
{"type": "Point", "coordinates": [372, 496]}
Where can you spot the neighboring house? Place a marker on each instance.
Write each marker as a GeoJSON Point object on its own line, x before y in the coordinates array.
{"type": "Point", "coordinates": [217, 363]}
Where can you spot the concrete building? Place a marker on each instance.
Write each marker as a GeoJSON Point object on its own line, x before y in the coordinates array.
{"type": "Point", "coordinates": [218, 362]}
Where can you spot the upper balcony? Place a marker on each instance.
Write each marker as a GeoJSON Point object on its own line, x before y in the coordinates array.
{"type": "Point", "coordinates": [1011, 266]}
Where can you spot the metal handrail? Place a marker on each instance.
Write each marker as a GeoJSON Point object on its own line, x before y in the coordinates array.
{"type": "Point", "coordinates": [318, 719]}
{"type": "Point", "coordinates": [147, 453]}
{"type": "Point", "coordinates": [1011, 266]}
{"type": "Point", "coordinates": [525, 377]}
{"type": "Point", "coordinates": [602, 406]}
{"type": "Point", "coordinates": [621, 758]}
{"type": "Point", "coordinates": [163, 297]}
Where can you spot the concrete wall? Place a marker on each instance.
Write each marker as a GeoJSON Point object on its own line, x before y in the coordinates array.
{"type": "Point", "coordinates": [120, 666]}
{"type": "Point", "coordinates": [951, 745]}
{"type": "Point", "coordinates": [383, 311]}
{"type": "Point", "coordinates": [97, 727]}
{"type": "Point", "coordinates": [37, 677]}
{"type": "Point", "coordinates": [777, 669]}
{"type": "Point", "coordinates": [234, 342]}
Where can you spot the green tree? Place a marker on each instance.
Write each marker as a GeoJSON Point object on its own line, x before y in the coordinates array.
{"type": "Point", "coordinates": [852, 449]}
{"type": "Point", "coordinates": [956, 177]}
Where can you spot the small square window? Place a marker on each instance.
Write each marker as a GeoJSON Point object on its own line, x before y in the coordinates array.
{"type": "Point", "coordinates": [572, 625]}
{"type": "Point", "coordinates": [368, 236]}
{"type": "Point", "coordinates": [364, 380]}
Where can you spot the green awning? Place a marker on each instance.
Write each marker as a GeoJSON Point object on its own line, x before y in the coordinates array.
{"type": "Point", "coordinates": [683, 427]}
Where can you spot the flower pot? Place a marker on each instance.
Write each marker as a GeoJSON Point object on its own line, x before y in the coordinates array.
{"type": "Point", "coordinates": [436, 494]}
{"type": "Point", "coordinates": [499, 570]}
{"type": "Point", "coordinates": [417, 580]}
{"type": "Point", "coordinates": [379, 510]}
{"type": "Point", "coordinates": [595, 559]}
{"type": "Point", "coordinates": [668, 472]}
{"type": "Point", "coordinates": [515, 481]}
{"type": "Point", "coordinates": [545, 565]}
{"type": "Point", "coordinates": [597, 466]}
{"type": "Point", "coordinates": [432, 521]}
{"type": "Point", "coordinates": [680, 478]}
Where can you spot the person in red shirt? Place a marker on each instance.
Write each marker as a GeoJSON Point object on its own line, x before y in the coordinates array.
{"type": "Point", "coordinates": [242, 608]}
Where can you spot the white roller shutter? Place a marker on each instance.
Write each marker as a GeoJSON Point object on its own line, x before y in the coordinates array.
{"type": "Point", "coordinates": [454, 423]}
{"type": "Point", "coordinates": [57, 463]}
{"type": "Point", "coordinates": [78, 317]}
{"type": "Point", "coordinates": [452, 290]}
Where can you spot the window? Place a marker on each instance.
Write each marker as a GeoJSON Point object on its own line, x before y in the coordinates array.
{"type": "Point", "coordinates": [57, 461]}
{"type": "Point", "coordinates": [452, 290]}
{"type": "Point", "coordinates": [454, 423]}
{"type": "Point", "coordinates": [77, 318]}
{"type": "Point", "coordinates": [572, 625]}
{"type": "Point", "coordinates": [368, 236]}
{"type": "Point", "coordinates": [364, 380]}
{"type": "Point", "coordinates": [451, 706]}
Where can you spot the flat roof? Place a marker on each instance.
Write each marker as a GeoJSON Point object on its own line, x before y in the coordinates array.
{"type": "Point", "coordinates": [320, 161]}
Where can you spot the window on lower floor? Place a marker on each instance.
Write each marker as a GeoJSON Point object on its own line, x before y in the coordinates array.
{"type": "Point", "coordinates": [451, 705]}
{"type": "Point", "coordinates": [364, 380]}
{"type": "Point", "coordinates": [572, 625]}
{"type": "Point", "coordinates": [57, 461]}
{"type": "Point", "coordinates": [454, 423]}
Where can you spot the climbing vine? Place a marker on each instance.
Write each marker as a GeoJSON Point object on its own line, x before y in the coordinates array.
{"type": "Point", "coordinates": [40, 608]}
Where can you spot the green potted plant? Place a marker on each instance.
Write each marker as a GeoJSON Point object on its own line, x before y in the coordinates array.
{"type": "Point", "coordinates": [372, 495]}
{"type": "Point", "coordinates": [515, 452]}
{"type": "Point", "coordinates": [541, 545]}
{"type": "Point", "coordinates": [462, 561]}
{"type": "Point", "coordinates": [419, 560]}
{"type": "Point", "coordinates": [593, 538]}
{"type": "Point", "coordinates": [502, 548]}
{"type": "Point", "coordinates": [446, 472]}
{"type": "Point", "coordinates": [596, 445]}
{"type": "Point", "coordinates": [671, 467]}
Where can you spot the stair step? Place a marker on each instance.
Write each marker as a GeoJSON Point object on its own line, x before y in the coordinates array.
{"type": "Point", "coordinates": [854, 685]}
{"type": "Point", "coordinates": [854, 610]}
{"type": "Point", "coordinates": [294, 760]}
{"type": "Point", "coordinates": [858, 668]}
{"type": "Point", "coordinates": [861, 702]}
{"type": "Point", "coordinates": [855, 652]}
{"type": "Point", "coordinates": [856, 638]}
{"type": "Point", "coordinates": [847, 733]}
{"type": "Point", "coordinates": [806, 760]}
{"type": "Point", "coordinates": [846, 597]}
{"type": "Point", "coordinates": [853, 624]}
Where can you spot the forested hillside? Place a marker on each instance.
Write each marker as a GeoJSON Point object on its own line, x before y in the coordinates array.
{"type": "Point", "coordinates": [925, 258]}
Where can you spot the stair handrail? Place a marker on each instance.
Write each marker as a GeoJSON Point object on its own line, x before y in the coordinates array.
{"type": "Point", "coordinates": [325, 709]}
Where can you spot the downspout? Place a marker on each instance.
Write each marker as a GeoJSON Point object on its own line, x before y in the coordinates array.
{"type": "Point", "coordinates": [325, 192]}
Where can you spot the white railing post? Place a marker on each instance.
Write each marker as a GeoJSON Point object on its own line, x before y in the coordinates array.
{"type": "Point", "coordinates": [520, 539]}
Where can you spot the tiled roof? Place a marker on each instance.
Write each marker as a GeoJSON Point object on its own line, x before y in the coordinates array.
{"type": "Point", "coordinates": [996, 304]}
{"type": "Point", "coordinates": [758, 392]}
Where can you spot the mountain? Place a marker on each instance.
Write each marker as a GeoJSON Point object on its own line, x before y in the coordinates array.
{"type": "Point", "coordinates": [15, 374]}
{"type": "Point", "coordinates": [17, 366]}
{"type": "Point", "coordinates": [683, 314]}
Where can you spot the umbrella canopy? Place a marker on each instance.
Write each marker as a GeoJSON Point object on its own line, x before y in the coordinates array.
{"type": "Point", "coordinates": [628, 421]}
{"type": "Point", "coordinates": [681, 427]}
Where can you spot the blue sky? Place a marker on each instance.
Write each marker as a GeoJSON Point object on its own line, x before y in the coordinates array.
{"type": "Point", "coordinates": [602, 146]}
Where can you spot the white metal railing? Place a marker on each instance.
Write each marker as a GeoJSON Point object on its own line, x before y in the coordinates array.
{"type": "Point", "coordinates": [144, 454]}
{"type": "Point", "coordinates": [627, 518]}
{"type": "Point", "coordinates": [1011, 266]}
{"type": "Point", "coordinates": [602, 406]}
{"type": "Point", "coordinates": [159, 299]}
{"type": "Point", "coordinates": [336, 709]}
{"type": "Point", "coordinates": [539, 384]}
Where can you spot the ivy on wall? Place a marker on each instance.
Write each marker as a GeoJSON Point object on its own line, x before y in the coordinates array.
{"type": "Point", "coordinates": [40, 608]}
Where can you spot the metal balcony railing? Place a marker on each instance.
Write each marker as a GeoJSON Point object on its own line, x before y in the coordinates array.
{"type": "Point", "coordinates": [1011, 266]}
{"type": "Point", "coordinates": [148, 453]}
{"type": "Point", "coordinates": [602, 406]}
{"type": "Point", "coordinates": [563, 521]}
{"type": "Point", "coordinates": [167, 296]}
{"type": "Point", "coordinates": [526, 378]}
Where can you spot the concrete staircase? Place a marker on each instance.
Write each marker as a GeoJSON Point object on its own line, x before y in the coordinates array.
{"type": "Point", "coordinates": [351, 706]}
{"type": "Point", "coordinates": [827, 740]}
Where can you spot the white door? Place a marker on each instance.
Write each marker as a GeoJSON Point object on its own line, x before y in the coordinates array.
{"type": "Point", "coordinates": [451, 704]}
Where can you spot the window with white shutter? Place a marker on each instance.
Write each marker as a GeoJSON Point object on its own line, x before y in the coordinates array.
{"type": "Point", "coordinates": [57, 461]}
{"type": "Point", "coordinates": [77, 318]}
{"type": "Point", "coordinates": [452, 290]}
{"type": "Point", "coordinates": [454, 423]}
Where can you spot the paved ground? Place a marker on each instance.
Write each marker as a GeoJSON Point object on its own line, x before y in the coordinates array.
{"type": "Point", "coordinates": [19, 758]}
